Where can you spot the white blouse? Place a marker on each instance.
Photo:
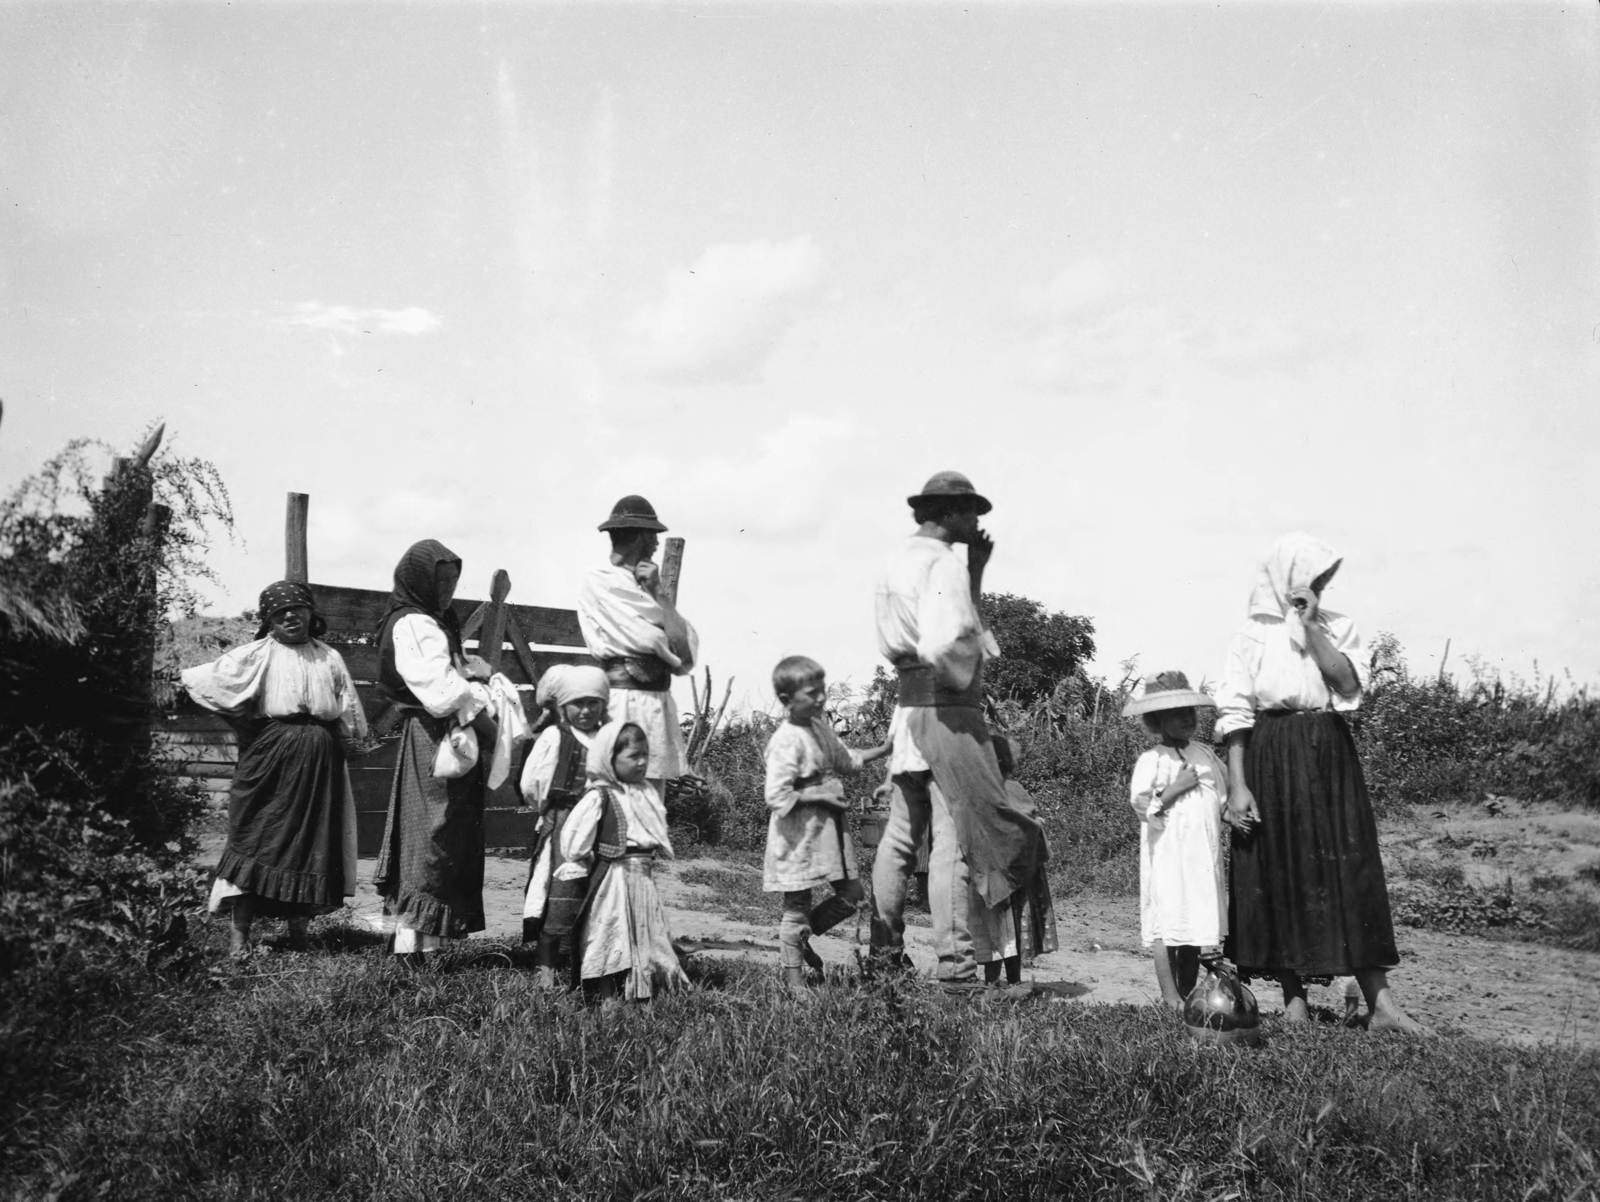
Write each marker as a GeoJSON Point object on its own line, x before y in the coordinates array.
{"type": "Point", "coordinates": [1266, 671]}
{"type": "Point", "coordinates": [540, 768]}
{"type": "Point", "coordinates": [279, 680]}
{"type": "Point", "coordinates": [643, 812]}
{"type": "Point", "coordinates": [435, 677]}
{"type": "Point", "coordinates": [924, 610]}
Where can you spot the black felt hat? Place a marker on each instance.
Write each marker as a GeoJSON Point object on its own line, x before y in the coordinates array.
{"type": "Point", "coordinates": [632, 513]}
{"type": "Point", "coordinates": [951, 484]}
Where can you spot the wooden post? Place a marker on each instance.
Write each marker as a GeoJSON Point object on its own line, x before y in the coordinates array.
{"type": "Point", "coordinates": [671, 569]}
{"type": "Point", "coordinates": [297, 565]}
{"type": "Point", "coordinates": [491, 639]}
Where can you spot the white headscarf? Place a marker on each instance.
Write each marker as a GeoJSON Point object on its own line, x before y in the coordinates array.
{"type": "Point", "coordinates": [562, 683]}
{"type": "Point", "coordinates": [1294, 562]}
{"type": "Point", "coordinates": [641, 804]}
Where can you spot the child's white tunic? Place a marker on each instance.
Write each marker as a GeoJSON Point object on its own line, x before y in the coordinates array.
{"type": "Point", "coordinates": [1183, 884]}
{"type": "Point", "coordinates": [608, 942]}
{"type": "Point", "coordinates": [808, 842]}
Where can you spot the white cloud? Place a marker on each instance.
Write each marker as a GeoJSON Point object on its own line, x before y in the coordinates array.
{"type": "Point", "coordinates": [1086, 330]}
{"type": "Point", "coordinates": [779, 487]}
{"type": "Point", "coordinates": [346, 319]}
{"type": "Point", "coordinates": [722, 316]}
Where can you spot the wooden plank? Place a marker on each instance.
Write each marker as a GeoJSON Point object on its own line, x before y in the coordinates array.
{"type": "Point", "coordinates": [360, 610]}
{"type": "Point", "coordinates": [491, 643]}
{"type": "Point", "coordinates": [196, 753]}
{"type": "Point", "coordinates": [192, 722]}
{"type": "Point", "coordinates": [296, 561]}
{"type": "Point", "coordinates": [671, 570]}
{"type": "Point", "coordinates": [363, 664]}
{"type": "Point", "coordinates": [162, 737]}
{"type": "Point", "coordinates": [193, 769]}
{"type": "Point", "coordinates": [513, 830]}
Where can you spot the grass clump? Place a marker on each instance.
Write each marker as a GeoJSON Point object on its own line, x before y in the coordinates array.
{"type": "Point", "coordinates": [346, 1076]}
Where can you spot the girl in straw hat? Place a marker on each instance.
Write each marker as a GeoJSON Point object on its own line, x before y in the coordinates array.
{"type": "Point", "coordinates": [1178, 790]}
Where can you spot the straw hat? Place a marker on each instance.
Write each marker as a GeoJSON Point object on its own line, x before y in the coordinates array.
{"type": "Point", "coordinates": [632, 512]}
{"type": "Point", "coordinates": [1166, 691]}
{"type": "Point", "coordinates": [951, 484]}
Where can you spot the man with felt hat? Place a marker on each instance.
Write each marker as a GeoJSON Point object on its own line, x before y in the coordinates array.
{"type": "Point", "coordinates": [638, 635]}
{"type": "Point", "coordinates": [944, 771]}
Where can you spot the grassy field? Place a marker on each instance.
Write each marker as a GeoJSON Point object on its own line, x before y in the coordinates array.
{"type": "Point", "coordinates": [341, 1074]}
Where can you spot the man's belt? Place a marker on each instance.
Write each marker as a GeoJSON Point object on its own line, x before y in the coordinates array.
{"type": "Point", "coordinates": [645, 672]}
{"type": "Point", "coordinates": [920, 686]}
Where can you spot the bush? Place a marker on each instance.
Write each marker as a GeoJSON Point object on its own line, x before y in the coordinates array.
{"type": "Point", "coordinates": [93, 838]}
{"type": "Point", "coordinates": [1428, 740]}
{"type": "Point", "coordinates": [72, 878]}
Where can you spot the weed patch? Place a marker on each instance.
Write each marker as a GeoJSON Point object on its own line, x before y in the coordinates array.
{"type": "Point", "coordinates": [346, 1076]}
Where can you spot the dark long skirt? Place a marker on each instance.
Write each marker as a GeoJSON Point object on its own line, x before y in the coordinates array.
{"type": "Point", "coordinates": [1307, 893]}
{"type": "Point", "coordinates": [286, 818]}
{"type": "Point", "coordinates": [565, 898]}
{"type": "Point", "coordinates": [430, 867]}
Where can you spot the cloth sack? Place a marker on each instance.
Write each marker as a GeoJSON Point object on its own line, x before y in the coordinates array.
{"type": "Point", "coordinates": [458, 752]}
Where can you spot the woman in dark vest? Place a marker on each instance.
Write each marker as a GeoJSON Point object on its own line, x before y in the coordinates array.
{"type": "Point", "coordinates": [553, 781]}
{"type": "Point", "coordinates": [430, 868]}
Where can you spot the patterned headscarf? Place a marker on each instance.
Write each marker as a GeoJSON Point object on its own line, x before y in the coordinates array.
{"type": "Point", "coordinates": [416, 589]}
{"type": "Point", "coordinates": [286, 594]}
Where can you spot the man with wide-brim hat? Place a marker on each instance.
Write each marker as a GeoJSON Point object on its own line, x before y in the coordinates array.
{"type": "Point", "coordinates": [638, 635]}
{"type": "Point", "coordinates": [944, 772]}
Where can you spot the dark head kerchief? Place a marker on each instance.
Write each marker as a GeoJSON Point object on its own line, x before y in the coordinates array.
{"type": "Point", "coordinates": [416, 589]}
{"type": "Point", "coordinates": [284, 595]}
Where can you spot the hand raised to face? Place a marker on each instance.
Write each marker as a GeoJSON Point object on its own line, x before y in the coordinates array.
{"type": "Point", "coordinates": [647, 575]}
{"type": "Point", "coordinates": [1307, 602]}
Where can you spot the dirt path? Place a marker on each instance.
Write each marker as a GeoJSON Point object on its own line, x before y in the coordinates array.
{"type": "Point", "coordinates": [1512, 992]}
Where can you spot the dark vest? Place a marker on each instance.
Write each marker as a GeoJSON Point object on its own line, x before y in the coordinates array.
{"type": "Point", "coordinates": [572, 770]}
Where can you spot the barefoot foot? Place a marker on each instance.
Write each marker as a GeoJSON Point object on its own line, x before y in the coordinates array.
{"type": "Point", "coordinates": [1392, 1018]}
{"type": "Point", "coordinates": [1296, 1011]}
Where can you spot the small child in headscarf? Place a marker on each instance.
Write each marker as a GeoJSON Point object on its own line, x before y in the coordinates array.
{"type": "Point", "coordinates": [622, 944]}
{"type": "Point", "coordinates": [291, 850]}
{"type": "Point", "coordinates": [553, 781]}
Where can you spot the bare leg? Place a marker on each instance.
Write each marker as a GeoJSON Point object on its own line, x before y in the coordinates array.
{"type": "Point", "coordinates": [1385, 1012]}
{"type": "Point", "coordinates": [1295, 1009]}
{"type": "Point", "coordinates": [1165, 977]}
{"type": "Point", "coordinates": [1185, 968]}
{"type": "Point", "coordinates": [244, 913]}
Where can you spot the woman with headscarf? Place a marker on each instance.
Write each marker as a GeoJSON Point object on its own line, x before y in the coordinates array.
{"type": "Point", "coordinates": [430, 867]}
{"type": "Point", "coordinates": [291, 849]}
{"type": "Point", "coordinates": [621, 943]}
{"type": "Point", "coordinates": [553, 781]}
{"type": "Point", "coordinates": [1307, 898]}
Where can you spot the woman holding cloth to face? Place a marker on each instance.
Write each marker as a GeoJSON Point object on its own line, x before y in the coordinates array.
{"type": "Point", "coordinates": [1307, 898]}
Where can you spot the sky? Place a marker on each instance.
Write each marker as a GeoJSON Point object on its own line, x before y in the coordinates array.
{"type": "Point", "coordinates": [1166, 281]}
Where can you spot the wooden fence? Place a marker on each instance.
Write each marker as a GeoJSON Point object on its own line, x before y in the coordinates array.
{"type": "Point", "coordinates": [518, 640]}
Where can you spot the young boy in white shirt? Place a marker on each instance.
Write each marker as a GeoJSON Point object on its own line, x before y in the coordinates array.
{"type": "Point", "coordinates": [808, 841]}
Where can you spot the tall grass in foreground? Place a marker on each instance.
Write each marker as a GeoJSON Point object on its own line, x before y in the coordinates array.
{"type": "Point", "coordinates": [346, 1077]}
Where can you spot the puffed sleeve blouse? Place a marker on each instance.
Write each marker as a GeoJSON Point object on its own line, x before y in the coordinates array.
{"type": "Point", "coordinates": [1266, 671]}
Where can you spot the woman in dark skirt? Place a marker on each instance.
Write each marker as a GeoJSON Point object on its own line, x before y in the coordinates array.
{"type": "Point", "coordinates": [1307, 897]}
{"type": "Point", "coordinates": [430, 868]}
{"type": "Point", "coordinates": [291, 819]}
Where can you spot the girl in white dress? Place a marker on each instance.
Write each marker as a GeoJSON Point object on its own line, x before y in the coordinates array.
{"type": "Point", "coordinates": [1179, 789]}
{"type": "Point", "coordinates": [614, 836]}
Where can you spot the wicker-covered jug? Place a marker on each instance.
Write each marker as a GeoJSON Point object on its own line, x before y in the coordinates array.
{"type": "Point", "coordinates": [1220, 1009]}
